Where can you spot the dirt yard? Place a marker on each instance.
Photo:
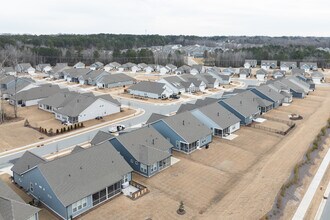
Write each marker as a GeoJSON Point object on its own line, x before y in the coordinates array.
{"type": "Point", "coordinates": [236, 179]}
{"type": "Point", "coordinates": [14, 134]}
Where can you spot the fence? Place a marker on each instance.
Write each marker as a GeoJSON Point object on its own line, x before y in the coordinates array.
{"type": "Point", "coordinates": [289, 123]}
{"type": "Point", "coordinates": [273, 130]}
{"type": "Point", "coordinates": [141, 192]}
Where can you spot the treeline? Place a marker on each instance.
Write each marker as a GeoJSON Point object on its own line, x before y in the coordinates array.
{"type": "Point", "coordinates": [236, 58]}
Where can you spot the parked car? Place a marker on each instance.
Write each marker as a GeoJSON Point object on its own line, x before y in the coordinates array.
{"type": "Point", "coordinates": [99, 118]}
{"type": "Point", "coordinates": [174, 96]}
{"type": "Point", "coordinates": [116, 128]}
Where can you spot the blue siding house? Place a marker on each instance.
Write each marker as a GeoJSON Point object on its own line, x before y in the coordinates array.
{"type": "Point", "coordinates": [147, 151]}
{"type": "Point", "coordinates": [184, 131]}
{"type": "Point", "coordinates": [266, 92]}
{"type": "Point", "coordinates": [73, 184]}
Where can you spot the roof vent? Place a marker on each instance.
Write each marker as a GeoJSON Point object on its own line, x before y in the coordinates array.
{"type": "Point", "coordinates": [183, 122]}
{"type": "Point", "coordinates": [69, 175]}
{"type": "Point", "coordinates": [81, 167]}
{"type": "Point", "coordinates": [77, 100]}
{"type": "Point", "coordinates": [218, 114]}
{"type": "Point", "coordinates": [240, 102]}
{"type": "Point", "coordinates": [153, 141]}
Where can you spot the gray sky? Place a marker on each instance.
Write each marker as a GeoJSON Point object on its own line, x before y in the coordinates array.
{"type": "Point", "coordinates": [166, 17]}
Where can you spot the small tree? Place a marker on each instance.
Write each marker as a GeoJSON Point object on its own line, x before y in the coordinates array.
{"type": "Point", "coordinates": [71, 127]}
{"type": "Point", "coordinates": [81, 124]}
{"type": "Point", "coordinates": [40, 129]}
{"type": "Point", "coordinates": [51, 131]}
{"type": "Point", "coordinates": [57, 131]}
{"type": "Point", "coordinates": [181, 210]}
{"type": "Point", "coordinates": [75, 126]}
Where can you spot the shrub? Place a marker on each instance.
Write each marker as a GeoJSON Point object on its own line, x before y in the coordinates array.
{"type": "Point", "coordinates": [57, 131]}
{"type": "Point", "coordinates": [81, 124]}
{"type": "Point", "coordinates": [71, 127]}
{"type": "Point", "coordinates": [75, 126]}
{"type": "Point", "coordinates": [40, 129]}
{"type": "Point", "coordinates": [64, 129]}
{"type": "Point", "coordinates": [50, 131]}
{"type": "Point", "coordinates": [323, 131]}
{"type": "Point", "coordinates": [26, 123]}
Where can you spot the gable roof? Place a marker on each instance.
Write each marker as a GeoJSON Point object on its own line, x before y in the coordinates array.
{"type": "Point", "coordinates": [101, 137]}
{"type": "Point", "coordinates": [73, 177]}
{"type": "Point", "coordinates": [12, 206]}
{"type": "Point", "coordinates": [155, 117]}
{"type": "Point", "coordinates": [269, 92]}
{"type": "Point", "coordinates": [187, 126]}
{"type": "Point", "coordinates": [115, 78]}
{"type": "Point", "coordinates": [149, 86]}
{"type": "Point", "coordinates": [27, 161]}
{"type": "Point", "coordinates": [262, 72]}
{"type": "Point", "coordinates": [146, 145]}
{"type": "Point", "coordinates": [39, 92]}
{"type": "Point", "coordinates": [220, 115]}
{"type": "Point", "coordinates": [76, 72]}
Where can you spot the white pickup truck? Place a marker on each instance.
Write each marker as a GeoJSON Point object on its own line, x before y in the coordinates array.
{"type": "Point", "coordinates": [116, 128]}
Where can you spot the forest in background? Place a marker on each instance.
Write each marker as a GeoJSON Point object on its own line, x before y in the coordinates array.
{"type": "Point", "coordinates": [230, 50]}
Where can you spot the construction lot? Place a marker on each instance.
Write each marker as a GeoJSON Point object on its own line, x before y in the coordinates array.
{"type": "Point", "coordinates": [237, 179]}
{"type": "Point", "coordinates": [14, 134]}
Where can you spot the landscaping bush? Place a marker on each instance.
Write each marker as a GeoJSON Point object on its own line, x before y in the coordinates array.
{"type": "Point", "coordinates": [26, 123]}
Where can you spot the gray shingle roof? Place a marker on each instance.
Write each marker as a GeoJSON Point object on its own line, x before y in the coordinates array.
{"type": "Point", "coordinates": [219, 115]}
{"type": "Point", "coordinates": [270, 93]}
{"type": "Point", "coordinates": [187, 126]}
{"type": "Point", "coordinates": [186, 107]}
{"type": "Point", "coordinates": [83, 173]}
{"type": "Point", "coordinates": [155, 117]}
{"type": "Point", "coordinates": [76, 72]}
{"type": "Point", "coordinates": [26, 162]}
{"type": "Point", "coordinates": [262, 72]}
{"type": "Point", "coordinates": [146, 145]}
{"type": "Point", "coordinates": [291, 85]}
{"type": "Point", "coordinates": [40, 92]}
{"type": "Point", "coordinates": [116, 78]}
{"type": "Point", "coordinates": [101, 137]}
{"type": "Point", "coordinates": [149, 86]}
{"type": "Point", "coordinates": [243, 104]}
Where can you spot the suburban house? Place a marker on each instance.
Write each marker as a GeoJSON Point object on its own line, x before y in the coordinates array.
{"type": "Point", "coordinates": [198, 103]}
{"type": "Point", "coordinates": [132, 67]}
{"type": "Point", "coordinates": [92, 77]}
{"type": "Point", "coordinates": [286, 66]}
{"type": "Point", "coordinates": [150, 68]}
{"type": "Point", "coordinates": [174, 83]}
{"type": "Point", "coordinates": [244, 73]}
{"type": "Point", "coordinates": [13, 207]}
{"type": "Point", "coordinates": [79, 65]}
{"type": "Point", "coordinates": [209, 80]}
{"type": "Point", "coordinates": [278, 74]}
{"type": "Point", "coordinates": [192, 83]}
{"type": "Point", "coordinates": [114, 80]}
{"type": "Point", "coordinates": [74, 107]}
{"type": "Point", "coordinates": [183, 69]}
{"type": "Point", "coordinates": [218, 119]}
{"type": "Point", "coordinates": [57, 71]}
{"type": "Point", "coordinates": [185, 132]}
{"type": "Point", "coordinates": [224, 79]}
{"type": "Point", "coordinates": [282, 89]}
{"type": "Point", "coordinates": [145, 150]}
{"type": "Point", "coordinates": [73, 184]}
{"type": "Point", "coordinates": [317, 77]}
{"type": "Point", "coordinates": [268, 64]}
{"type": "Point", "coordinates": [8, 71]}
{"type": "Point", "coordinates": [308, 66]}
{"type": "Point", "coordinates": [45, 67]}
{"type": "Point", "coordinates": [25, 68]}
{"type": "Point", "coordinates": [112, 66]}
{"type": "Point", "coordinates": [171, 68]}
{"type": "Point", "coordinates": [163, 70]}
{"type": "Point", "coordinates": [96, 66]}
{"type": "Point", "coordinates": [33, 95]}
{"type": "Point", "coordinates": [149, 89]}
{"type": "Point", "coordinates": [8, 82]}
{"type": "Point", "coordinates": [229, 71]}
{"type": "Point", "coordinates": [261, 75]}
{"type": "Point", "coordinates": [266, 92]}
{"type": "Point", "coordinates": [72, 75]}
{"type": "Point", "coordinates": [155, 117]}
{"type": "Point", "coordinates": [197, 69]}
{"type": "Point", "coordinates": [297, 71]}
{"type": "Point", "coordinates": [296, 90]}
{"type": "Point", "coordinates": [243, 105]}
{"type": "Point", "coordinates": [21, 85]}
{"type": "Point", "coordinates": [301, 83]}
{"type": "Point", "coordinates": [250, 64]}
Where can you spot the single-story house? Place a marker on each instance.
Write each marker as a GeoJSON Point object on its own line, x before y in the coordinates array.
{"type": "Point", "coordinates": [317, 77]}
{"type": "Point", "coordinates": [244, 73]}
{"type": "Point", "coordinates": [25, 68]}
{"type": "Point", "coordinates": [79, 65]}
{"type": "Point", "coordinates": [282, 89]}
{"type": "Point", "coordinates": [197, 69]}
{"type": "Point", "coordinates": [163, 70]}
{"type": "Point", "coordinates": [115, 80]}
{"type": "Point", "coordinates": [209, 80]}
{"type": "Point", "coordinates": [183, 69]}
{"type": "Point", "coordinates": [174, 83]}
{"type": "Point", "coordinates": [33, 95]}
{"type": "Point", "coordinates": [192, 83]}
{"type": "Point", "coordinates": [224, 79]}
{"type": "Point", "coordinates": [8, 70]}
{"type": "Point", "coordinates": [218, 119]}
{"type": "Point", "coordinates": [72, 75]}
{"type": "Point", "coordinates": [57, 71]}
{"type": "Point", "coordinates": [150, 68]}
{"type": "Point", "coordinates": [45, 67]}
{"type": "Point", "coordinates": [296, 90]}
{"type": "Point", "coordinates": [261, 75]}
{"type": "Point", "coordinates": [96, 66]}
{"type": "Point", "coordinates": [84, 107]}
{"type": "Point", "coordinates": [171, 68]}
{"type": "Point", "coordinates": [266, 92]}
{"type": "Point", "coordinates": [149, 89]}
{"type": "Point", "coordinates": [13, 207]}
{"type": "Point", "coordinates": [278, 74]}
{"type": "Point", "coordinates": [308, 66]}
{"type": "Point", "coordinates": [92, 77]}
{"type": "Point", "coordinates": [229, 71]}
{"type": "Point", "coordinates": [268, 64]}
{"type": "Point", "coordinates": [73, 184]}
{"type": "Point", "coordinates": [145, 150]}
{"type": "Point", "coordinates": [243, 105]}
{"type": "Point", "coordinates": [250, 64]}
{"type": "Point", "coordinates": [112, 66]}
{"type": "Point", "coordinates": [301, 83]}
{"type": "Point", "coordinates": [101, 137]}
{"type": "Point", "coordinates": [185, 132]}
{"type": "Point", "coordinates": [286, 66]}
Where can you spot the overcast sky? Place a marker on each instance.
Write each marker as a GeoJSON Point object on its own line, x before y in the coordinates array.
{"type": "Point", "coordinates": [167, 17]}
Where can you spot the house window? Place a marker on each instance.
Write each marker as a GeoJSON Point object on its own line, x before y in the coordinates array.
{"type": "Point", "coordinates": [79, 205]}
{"type": "Point", "coordinates": [125, 179]}
{"type": "Point", "coordinates": [154, 167]}
{"type": "Point", "coordinates": [144, 168]}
